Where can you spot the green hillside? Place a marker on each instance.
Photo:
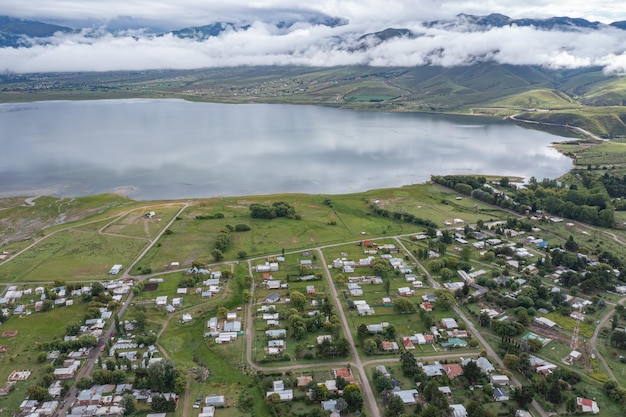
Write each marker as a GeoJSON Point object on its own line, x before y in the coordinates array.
{"type": "Point", "coordinates": [587, 98]}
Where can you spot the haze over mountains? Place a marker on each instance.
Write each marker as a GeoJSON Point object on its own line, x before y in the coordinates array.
{"type": "Point", "coordinates": [313, 39]}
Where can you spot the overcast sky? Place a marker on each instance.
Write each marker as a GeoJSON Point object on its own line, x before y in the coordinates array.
{"type": "Point", "coordinates": [308, 44]}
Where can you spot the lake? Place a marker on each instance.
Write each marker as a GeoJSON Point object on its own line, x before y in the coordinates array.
{"type": "Point", "coordinates": [173, 149]}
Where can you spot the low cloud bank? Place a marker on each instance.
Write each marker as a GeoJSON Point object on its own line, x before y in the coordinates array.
{"type": "Point", "coordinates": [318, 45]}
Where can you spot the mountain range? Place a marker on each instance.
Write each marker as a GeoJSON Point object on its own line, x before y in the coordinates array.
{"type": "Point", "coordinates": [16, 32]}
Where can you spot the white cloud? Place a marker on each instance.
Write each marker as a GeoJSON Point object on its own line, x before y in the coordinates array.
{"type": "Point", "coordinates": [306, 44]}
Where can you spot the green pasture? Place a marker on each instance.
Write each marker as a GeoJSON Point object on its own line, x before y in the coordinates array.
{"type": "Point", "coordinates": [71, 254]}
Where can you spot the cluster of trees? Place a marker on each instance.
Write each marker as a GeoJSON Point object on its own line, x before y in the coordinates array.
{"type": "Point", "coordinates": [591, 204]}
{"type": "Point", "coordinates": [39, 391]}
{"type": "Point", "coordinates": [210, 216]}
{"type": "Point", "coordinates": [333, 348]}
{"type": "Point", "coordinates": [69, 345]}
{"type": "Point", "coordinates": [615, 392]}
{"type": "Point", "coordinates": [162, 376]}
{"type": "Point", "coordinates": [618, 339]}
{"type": "Point", "coordinates": [298, 326]}
{"type": "Point", "coordinates": [402, 216]}
{"type": "Point", "coordinates": [276, 209]}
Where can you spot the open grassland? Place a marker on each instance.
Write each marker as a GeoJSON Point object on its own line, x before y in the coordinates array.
{"type": "Point", "coordinates": [136, 224]}
{"type": "Point", "coordinates": [325, 219]}
{"type": "Point", "coordinates": [69, 255]}
{"type": "Point", "coordinates": [23, 349]}
{"type": "Point", "coordinates": [22, 219]}
{"type": "Point", "coordinates": [537, 99]}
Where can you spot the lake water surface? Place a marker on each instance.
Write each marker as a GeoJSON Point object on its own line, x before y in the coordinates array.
{"type": "Point", "coordinates": [171, 149]}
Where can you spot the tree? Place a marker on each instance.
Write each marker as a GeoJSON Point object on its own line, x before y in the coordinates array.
{"type": "Point", "coordinates": [445, 299]}
{"type": "Point", "coordinates": [161, 375]}
{"type": "Point", "coordinates": [221, 313]}
{"type": "Point", "coordinates": [511, 361]}
{"type": "Point", "coordinates": [362, 331]}
{"type": "Point", "coordinates": [387, 286]}
{"type": "Point", "coordinates": [72, 329]}
{"type": "Point", "coordinates": [571, 244]}
{"type": "Point", "coordinates": [298, 300]}
{"type": "Point", "coordinates": [394, 406]}
{"type": "Point", "coordinates": [484, 320]}
{"type": "Point", "coordinates": [37, 392]}
{"type": "Point", "coordinates": [370, 347]}
{"type": "Point", "coordinates": [431, 411]}
{"type": "Point", "coordinates": [554, 394]}
{"type": "Point", "coordinates": [522, 396]}
{"type": "Point", "coordinates": [128, 403]}
{"type": "Point", "coordinates": [354, 398]}
{"type": "Point", "coordinates": [218, 255]}
{"type": "Point", "coordinates": [472, 371]}
{"type": "Point", "coordinates": [381, 382]}
{"type": "Point", "coordinates": [404, 305]}
{"type": "Point", "coordinates": [341, 405]}
{"type": "Point", "coordinates": [140, 321]}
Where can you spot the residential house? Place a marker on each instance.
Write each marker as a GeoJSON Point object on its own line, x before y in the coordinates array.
{"type": "Point", "coordinates": [405, 292]}
{"type": "Point", "coordinates": [449, 323]}
{"type": "Point", "coordinates": [587, 406]}
{"type": "Point", "coordinates": [303, 381]}
{"type": "Point", "coordinates": [389, 346]}
{"type": "Point", "coordinates": [433, 370]}
{"type": "Point", "coordinates": [278, 387]}
{"type": "Point", "coordinates": [383, 370]}
{"type": "Point", "coordinates": [272, 298]}
{"type": "Point", "coordinates": [453, 370]}
{"type": "Point", "coordinates": [499, 394]}
{"type": "Point", "coordinates": [458, 410]}
{"type": "Point", "coordinates": [276, 334]}
{"type": "Point", "coordinates": [408, 344]}
{"type": "Point", "coordinates": [408, 396]}
{"type": "Point", "coordinates": [376, 328]}
{"type": "Point", "coordinates": [483, 363]}
{"type": "Point", "coordinates": [500, 380]}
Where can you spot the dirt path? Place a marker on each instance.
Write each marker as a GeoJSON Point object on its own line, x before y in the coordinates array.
{"type": "Point", "coordinates": [594, 339]}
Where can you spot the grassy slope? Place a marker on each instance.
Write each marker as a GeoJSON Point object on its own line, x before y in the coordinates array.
{"type": "Point", "coordinates": [458, 89]}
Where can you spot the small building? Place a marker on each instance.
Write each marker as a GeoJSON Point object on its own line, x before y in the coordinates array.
{"type": "Point", "coordinates": [587, 406]}
{"type": "Point", "coordinates": [500, 380]}
{"type": "Point", "coordinates": [408, 396]}
{"type": "Point", "coordinates": [405, 292]}
{"type": "Point", "coordinates": [499, 394]}
{"type": "Point", "coordinates": [215, 401]}
{"type": "Point", "coordinates": [310, 289]}
{"type": "Point", "coordinates": [115, 269]}
{"type": "Point", "coordinates": [458, 410]}
{"type": "Point", "coordinates": [449, 323]}
{"type": "Point", "coordinates": [272, 298]}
